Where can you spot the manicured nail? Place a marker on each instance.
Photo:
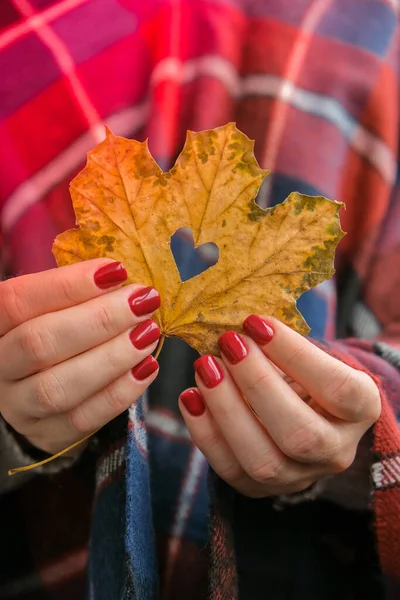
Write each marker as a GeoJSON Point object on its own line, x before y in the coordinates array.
{"type": "Point", "coordinates": [233, 347]}
{"type": "Point", "coordinates": [258, 329]}
{"type": "Point", "coordinates": [144, 334]}
{"type": "Point", "coordinates": [193, 402]}
{"type": "Point", "coordinates": [144, 301]}
{"type": "Point", "coordinates": [110, 275]}
{"type": "Point", "coordinates": [145, 368]}
{"type": "Point", "coordinates": [209, 371]}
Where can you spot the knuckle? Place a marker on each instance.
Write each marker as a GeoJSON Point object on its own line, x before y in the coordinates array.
{"type": "Point", "coordinates": [258, 385]}
{"type": "Point", "coordinates": [113, 361]}
{"type": "Point", "coordinates": [117, 397]}
{"type": "Point", "coordinates": [12, 302]}
{"type": "Point", "coordinates": [310, 444]}
{"type": "Point", "coordinates": [266, 471]}
{"type": "Point", "coordinates": [356, 394]}
{"type": "Point", "coordinates": [341, 386]}
{"type": "Point", "coordinates": [300, 353]}
{"type": "Point", "coordinates": [208, 443]}
{"type": "Point", "coordinates": [104, 320]}
{"type": "Point", "coordinates": [78, 420]}
{"type": "Point", "coordinates": [48, 393]}
{"type": "Point", "coordinates": [37, 345]}
{"type": "Point", "coordinates": [222, 414]}
{"type": "Point", "coordinates": [69, 290]}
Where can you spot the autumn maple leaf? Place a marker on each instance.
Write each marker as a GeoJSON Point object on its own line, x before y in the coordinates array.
{"type": "Point", "coordinates": [128, 209]}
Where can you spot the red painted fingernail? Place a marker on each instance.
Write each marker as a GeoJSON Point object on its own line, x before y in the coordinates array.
{"type": "Point", "coordinates": [209, 371]}
{"type": "Point", "coordinates": [233, 347]}
{"type": "Point", "coordinates": [144, 301]}
{"type": "Point", "coordinates": [145, 368]}
{"type": "Point", "coordinates": [144, 334]}
{"type": "Point", "coordinates": [193, 402]}
{"type": "Point", "coordinates": [258, 329]}
{"type": "Point", "coordinates": [110, 275]}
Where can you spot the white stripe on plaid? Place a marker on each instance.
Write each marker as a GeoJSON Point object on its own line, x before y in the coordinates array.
{"type": "Point", "coordinates": [365, 143]}
{"type": "Point", "coordinates": [163, 423]}
{"type": "Point", "coordinates": [364, 323]}
{"type": "Point", "coordinates": [16, 32]}
{"type": "Point", "coordinates": [64, 60]}
{"type": "Point", "coordinates": [386, 472]}
{"type": "Point", "coordinates": [196, 466]}
{"type": "Point", "coordinates": [109, 465]}
{"type": "Point", "coordinates": [33, 189]}
{"type": "Point", "coordinates": [138, 426]}
{"type": "Point", "coordinates": [209, 65]}
{"type": "Point", "coordinates": [285, 92]}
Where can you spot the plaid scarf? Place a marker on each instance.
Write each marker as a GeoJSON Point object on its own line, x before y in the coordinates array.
{"type": "Point", "coordinates": [315, 83]}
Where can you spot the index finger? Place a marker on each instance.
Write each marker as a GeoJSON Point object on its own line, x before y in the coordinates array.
{"type": "Point", "coordinates": [331, 383]}
{"type": "Point", "coordinates": [29, 296]}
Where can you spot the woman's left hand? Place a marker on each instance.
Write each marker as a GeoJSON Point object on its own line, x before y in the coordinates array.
{"type": "Point", "coordinates": [277, 413]}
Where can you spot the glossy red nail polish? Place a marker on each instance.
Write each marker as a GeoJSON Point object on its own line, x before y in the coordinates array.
{"type": "Point", "coordinates": [145, 368]}
{"type": "Point", "coordinates": [110, 275]}
{"type": "Point", "coordinates": [233, 347]}
{"type": "Point", "coordinates": [193, 402]}
{"type": "Point", "coordinates": [209, 371]}
{"type": "Point", "coordinates": [144, 301]}
{"type": "Point", "coordinates": [144, 334]}
{"type": "Point", "coordinates": [258, 330]}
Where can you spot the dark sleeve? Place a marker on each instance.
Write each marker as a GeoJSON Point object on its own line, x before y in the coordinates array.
{"type": "Point", "coordinates": [14, 454]}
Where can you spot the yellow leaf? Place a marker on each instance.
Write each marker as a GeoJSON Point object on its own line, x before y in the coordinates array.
{"type": "Point", "coordinates": [128, 209]}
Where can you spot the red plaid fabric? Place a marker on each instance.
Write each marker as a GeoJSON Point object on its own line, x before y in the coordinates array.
{"type": "Point", "coordinates": [314, 82]}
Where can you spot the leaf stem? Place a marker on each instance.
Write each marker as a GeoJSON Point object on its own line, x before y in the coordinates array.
{"type": "Point", "coordinates": [159, 347]}
{"type": "Point", "coordinates": [47, 460]}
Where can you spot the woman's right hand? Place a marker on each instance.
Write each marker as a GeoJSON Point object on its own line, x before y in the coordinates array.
{"type": "Point", "coordinates": [75, 350]}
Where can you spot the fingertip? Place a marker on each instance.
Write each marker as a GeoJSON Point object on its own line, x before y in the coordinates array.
{"type": "Point", "coordinates": [258, 329]}
{"type": "Point", "coordinates": [192, 400]}
{"type": "Point", "coordinates": [145, 334]}
{"type": "Point", "coordinates": [145, 369]}
{"type": "Point", "coordinates": [233, 347]}
{"type": "Point", "coordinates": [209, 370]}
{"type": "Point", "coordinates": [144, 301]}
{"type": "Point", "coordinates": [110, 275]}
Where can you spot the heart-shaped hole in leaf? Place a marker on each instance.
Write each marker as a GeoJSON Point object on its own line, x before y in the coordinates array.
{"type": "Point", "coordinates": [192, 261]}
